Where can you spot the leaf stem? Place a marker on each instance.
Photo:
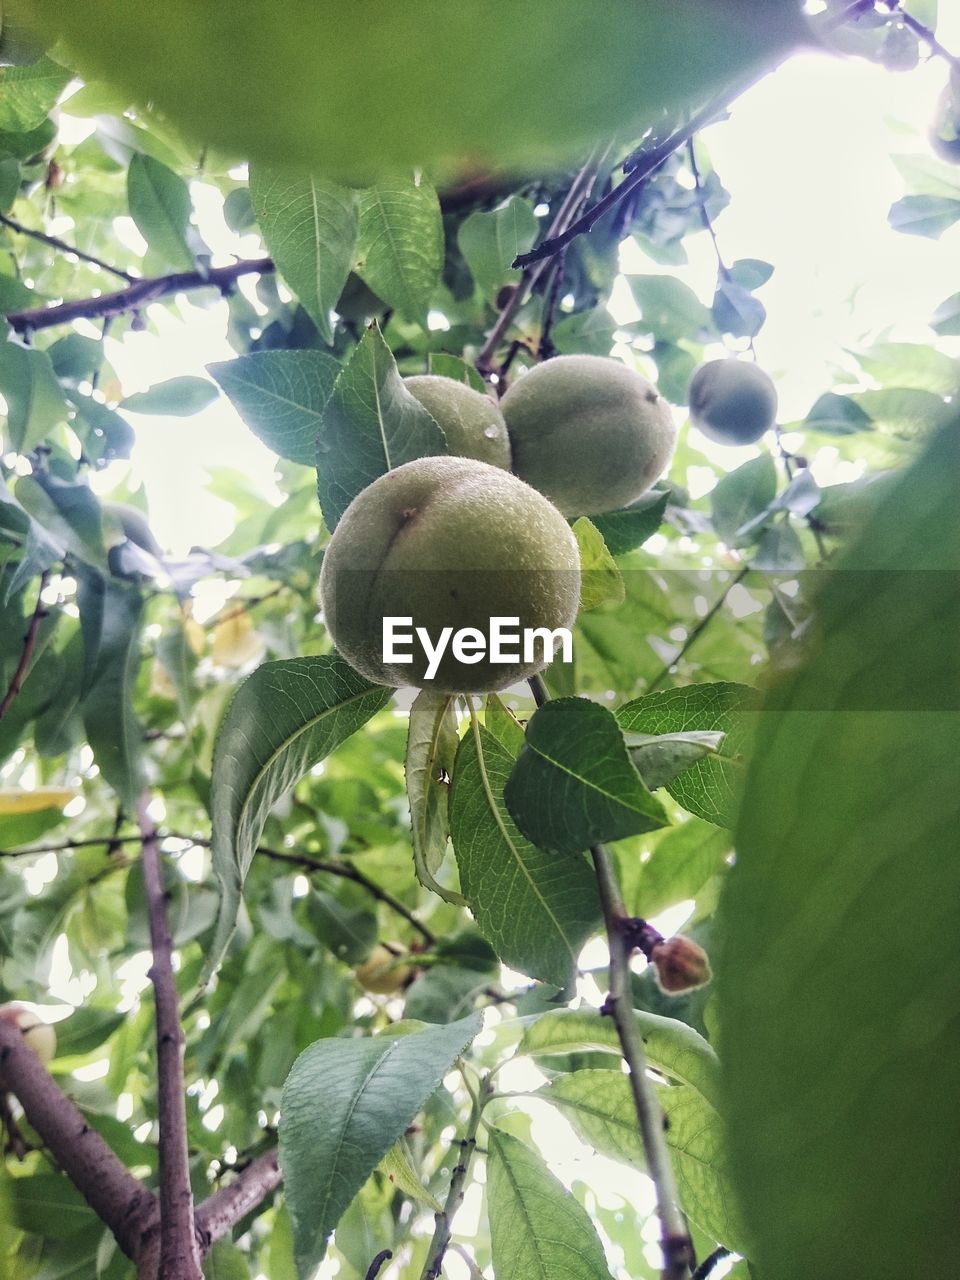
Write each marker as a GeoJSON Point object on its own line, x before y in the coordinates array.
{"type": "Point", "coordinates": [61, 246]}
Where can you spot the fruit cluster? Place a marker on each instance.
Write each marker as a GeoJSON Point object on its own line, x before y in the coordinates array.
{"type": "Point", "coordinates": [482, 532]}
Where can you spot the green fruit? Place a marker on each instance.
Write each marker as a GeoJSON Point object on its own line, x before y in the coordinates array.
{"type": "Point", "coordinates": [472, 423]}
{"type": "Point", "coordinates": [589, 433]}
{"type": "Point", "coordinates": [447, 542]}
{"type": "Point", "coordinates": [732, 401]}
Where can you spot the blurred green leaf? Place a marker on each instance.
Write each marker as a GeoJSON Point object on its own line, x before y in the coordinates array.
{"type": "Point", "coordinates": [490, 241]}
{"type": "Point", "coordinates": [28, 93]}
{"type": "Point", "coordinates": [159, 201]}
{"type": "Point", "coordinates": [281, 396]}
{"type": "Point", "coordinates": [35, 402]}
{"type": "Point", "coordinates": [179, 397]}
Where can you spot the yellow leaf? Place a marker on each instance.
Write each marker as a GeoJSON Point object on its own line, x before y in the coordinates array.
{"type": "Point", "coordinates": [235, 643]}
{"type": "Point", "coordinates": [14, 800]}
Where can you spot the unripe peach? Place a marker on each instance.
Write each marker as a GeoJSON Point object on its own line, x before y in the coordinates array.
{"type": "Point", "coordinates": [732, 401]}
{"type": "Point", "coordinates": [448, 543]}
{"type": "Point", "coordinates": [589, 433]}
{"type": "Point", "coordinates": [472, 423]}
{"type": "Point", "coordinates": [37, 1034]}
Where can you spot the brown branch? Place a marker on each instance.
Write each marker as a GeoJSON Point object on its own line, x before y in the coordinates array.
{"type": "Point", "coordinates": [62, 247]}
{"type": "Point", "coordinates": [674, 1237]}
{"type": "Point", "coordinates": [127, 1207]}
{"type": "Point", "coordinates": [179, 1251]}
{"type": "Point", "coordinates": [220, 1211]}
{"type": "Point", "coordinates": [928, 37]}
{"type": "Point", "coordinates": [344, 870]}
{"type": "Point", "coordinates": [136, 295]}
{"type": "Point", "coordinates": [377, 1265]}
{"type": "Point", "coordinates": [29, 644]}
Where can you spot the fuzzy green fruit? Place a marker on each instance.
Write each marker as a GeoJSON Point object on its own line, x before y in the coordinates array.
{"type": "Point", "coordinates": [447, 542]}
{"type": "Point", "coordinates": [732, 401]}
{"type": "Point", "coordinates": [589, 433]}
{"type": "Point", "coordinates": [472, 423]}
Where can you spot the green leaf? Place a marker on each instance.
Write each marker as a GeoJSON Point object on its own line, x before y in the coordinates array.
{"type": "Point", "coordinates": [672, 1047]}
{"type": "Point", "coordinates": [309, 226]}
{"type": "Point", "coordinates": [600, 580]}
{"type": "Point", "coordinates": [281, 395]}
{"type": "Point", "coordinates": [839, 1024]}
{"type": "Point", "coordinates": [911, 364]}
{"type": "Point", "coordinates": [451, 88]}
{"type": "Point", "coordinates": [400, 246]}
{"type": "Point", "coordinates": [398, 1167]}
{"type": "Point", "coordinates": [697, 1138]}
{"type": "Point", "coordinates": [837, 415]}
{"type": "Point", "coordinates": [946, 318]}
{"type": "Point", "coordinates": [537, 910]}
{"type": "Point", "coordinates": [741, 496]}
{"type": "Point", "coordinates": [284, 719]}
{"type": "Point", "coordinates": [35, 403]}
{"type": "Point", "coordinates": [904, 411]}
{"type": "Point", "coordinates": [661, 757]}
{"type": "Point", "coordinates": [371, 424]}
{"type": "Point", "coordinates": [490, 241]}
{"type": "Point", "coordinates": [446, 366]}
{"type": "Point", "coordinates": [628, 529]}
{"type": "Point", "coordinates": [113, 731]}
{"type": "Point", "coordinates": [27, 94]}
{"type": "Point", "coordinates": [537, 1228]}
{"type": "Point", "coordinates": [40, 548]}
{"type": "Point", "coordinates": [86, 1029]}
{"type": "Point", "coordinates": [736, 311]}
{"type": "Point", "coordinates": [502, 723]}
{"type": "Point", "coordinates": [349, 932]}
{"type": "Point", "coordinates": [574, 784]}
{"type": "Point", "coordinates": [710, 788]}
{"type": "Point", "coordinates": [345, 1104]}
{"type": "Point", "coordinates": [924, 215]}
{"type": "Point", "coordinates": [432, 741]}
{"type": "Point", "coordinates": [178, 397]}
{"type": "Point", "coordinates": [669, 308]}
{"type": "Point", "coordinates": [684, 858]}
{"type": "Point", "coordinates": [159, 201]}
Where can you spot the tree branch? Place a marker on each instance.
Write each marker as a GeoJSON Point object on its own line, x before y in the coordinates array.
{"type": "Point", "coordinates": [179, 1252]}
{"type": "Point", "coordinates": [62, 247]}
{"type": "Point", "coordinates": [344, 870]}
{"type": "Point", "coordinates": [127, 1207]}
{"type": "Point", "coordinates": [674, 1237]}
{"type": "Point", "coordinates": [698, 630]}
{"type": "Point", "coordinates": [136, 295]}
{"type": "Point", "coordinates": [29, 644]}
{"type": "Point", "coordinates": [710, 1263]}
{"type": "Point", "coordinates": [220, 1211]}
{"type": "Point", "coordinates": [444, 1220]}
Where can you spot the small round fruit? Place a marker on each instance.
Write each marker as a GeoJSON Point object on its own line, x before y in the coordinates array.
{"type": "Point", "coordinates": [382, 973]}
{"type": "Point", "coordinates": [732, 401]}
{"type": "Point", "coordinates": [589, 433]}
{"type": "Point", "coordinates": [472, 423]}
{"type": "Point", "coordinates": [38, 1035]}
{"type": "Point", "coordinates": [448, 543]}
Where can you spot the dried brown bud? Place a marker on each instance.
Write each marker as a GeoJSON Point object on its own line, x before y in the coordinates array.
{"type": "Point", "coordinates": [680, 965]}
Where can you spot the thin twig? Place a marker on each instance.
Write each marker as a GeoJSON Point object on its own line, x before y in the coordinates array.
{"type": "Point", "coordinates": [704, 211]}
{"type": "Point", "coordinates": [377, 1265]}
{"type": "Point", "coordinates": [529, 280]}
{"type": "Point", "coordinates": [674, 1237]}
{"type": "Point", "coordinates": [137, 295]}
{"type": "Point", "coordinates": [344, 870]}
{"type": "Point", "coordinates": [26, 653]}
{"type": "Point", "coordinates": [179, 1250]}
{"type": "Point", "coordinates": [698, 630]}
{"type": "Point", "coordinates": [710, 1263]}
{"type": "Point", "coordinates": [62, 247]}
{"type": "Point", "coordinates": [928, 37]}
{"type": "Point", "coordinates": [227, 1205]}
{"type": "Point", "coordinates": [444, 1220]}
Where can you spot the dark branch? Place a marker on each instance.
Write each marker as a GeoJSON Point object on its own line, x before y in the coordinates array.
{"type": "Point", "coordinates": [377, 1265]}
{"type": "Point", "coordinates": [179, 1252]}
{"type": "Point", "coordinates": [62, 247]}
{"type": "Point", "coordinates": [229, 1204]}
{"type": "Point", "coordinates": [137, 295]}
{"type": "Point", "coordinates": [127, 1207]}
{"type": "Point", "coordinates": [29, 644]}
{"type": "Point", "coordinates": [710, 1263]}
